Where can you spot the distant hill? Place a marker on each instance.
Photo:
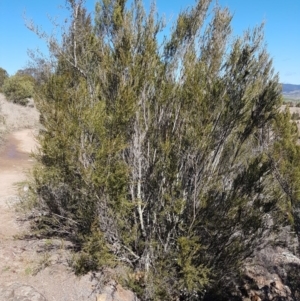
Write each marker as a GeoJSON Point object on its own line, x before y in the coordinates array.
{"type": "Point", "coordinates": [287, 88]}
{"type": "Point", "coordinates": [290, 91]}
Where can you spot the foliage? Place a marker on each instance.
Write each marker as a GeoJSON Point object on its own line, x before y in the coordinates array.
{"type": "Point", "coordinates": [295, 116]}
{"type": "Point", "coordinates": [3, 77]}
{"type": "Point", "coordinates": [94, 254]}
{"type": "Point", "coordinates": [162, 157]}
{"type": "Point", "coordinates": [18, 88]}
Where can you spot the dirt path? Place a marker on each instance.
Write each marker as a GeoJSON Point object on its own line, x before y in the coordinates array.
{"type": "Point", "coordinates": [42, 264]}
{"type": "Point", "coordinates": [14, 161]}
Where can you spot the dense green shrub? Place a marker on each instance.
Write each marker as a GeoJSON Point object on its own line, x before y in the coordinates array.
{"type": "Point", "coordinates": [18, 88]}
{"type": "Point", "coordinates": [163, 158]}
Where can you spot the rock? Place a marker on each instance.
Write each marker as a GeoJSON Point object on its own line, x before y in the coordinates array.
{"type": "Point", "coordinates": [30, 103]}
{"type": "Point", "coordinates": [20, 292]}
{"type": "Point", "coordinates": [114, 292]}
{"type": "Point", "coordinates": [273, 274]}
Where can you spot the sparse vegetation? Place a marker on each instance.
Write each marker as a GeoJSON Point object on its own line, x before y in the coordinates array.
{"type": "Point", "coordinates": [5, 269]}
{"type": "Point", "coordinates": [28, 271]}
{"type": "Point", "coordinates": [292, 102]}
{"type": "Point", "coordinates": [16, 117]}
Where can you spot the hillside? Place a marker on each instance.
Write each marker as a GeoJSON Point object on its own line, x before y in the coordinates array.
{"type": "Point", "coordinates": [290, 91]}
{"type": "Point", "coordinates": [288, 88]}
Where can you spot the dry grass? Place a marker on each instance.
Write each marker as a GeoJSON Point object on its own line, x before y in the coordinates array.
{"type": "Point", "coordinates": [14, 117]}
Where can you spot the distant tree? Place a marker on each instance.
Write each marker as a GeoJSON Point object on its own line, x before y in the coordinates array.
{"type": "Point", "coordinates": [36, 71]}
{"type": "Point", "coordinates": [29, 71]}
{"type": "Point", "coordinates": [3, 77]}
{"type": "Point", "coordinates": [160, 157]}
{"type": "Point", "coordinates": [295, 116]}
{"type": "Point", "coordinates": [18, 88]}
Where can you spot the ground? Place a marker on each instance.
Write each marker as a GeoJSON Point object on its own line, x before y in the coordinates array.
{"type": "Point", "coordinates": [42, 264]}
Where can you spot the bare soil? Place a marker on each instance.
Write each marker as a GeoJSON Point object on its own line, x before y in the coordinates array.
{"type": "Point", "coordinates": [14, 160]}
{"type": "Point", "coordinates": [42, 263]}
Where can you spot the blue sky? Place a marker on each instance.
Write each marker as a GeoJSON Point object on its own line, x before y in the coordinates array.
{"type": "Point", "coordinates": [282, 29]}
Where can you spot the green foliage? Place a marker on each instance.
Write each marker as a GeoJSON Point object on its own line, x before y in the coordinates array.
{"type": "Point", "coordinates": [162, 157]}
{"type": "Point", "coordinates": [295, 116]}
{"type": "Point", "coordinates": [286, 162]}
{"type": "Point", "coordinates": [18, 88]}
{"type": "Point", "coordinates": [95, 253]}
{"type": "Point", "coordinates": [193, 276]}
{"type": "Point", "coordinates": [3, 77]}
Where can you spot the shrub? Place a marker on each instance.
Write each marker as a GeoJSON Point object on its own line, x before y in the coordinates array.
{"type": "Point", "coordinates": [3, 77]}
{"type": "Point", "coordinates": [18, 88]}
{"type": "Point", "coordinates": [162, 158]}
{"type": "Point", "coordinates": [295, 116]}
